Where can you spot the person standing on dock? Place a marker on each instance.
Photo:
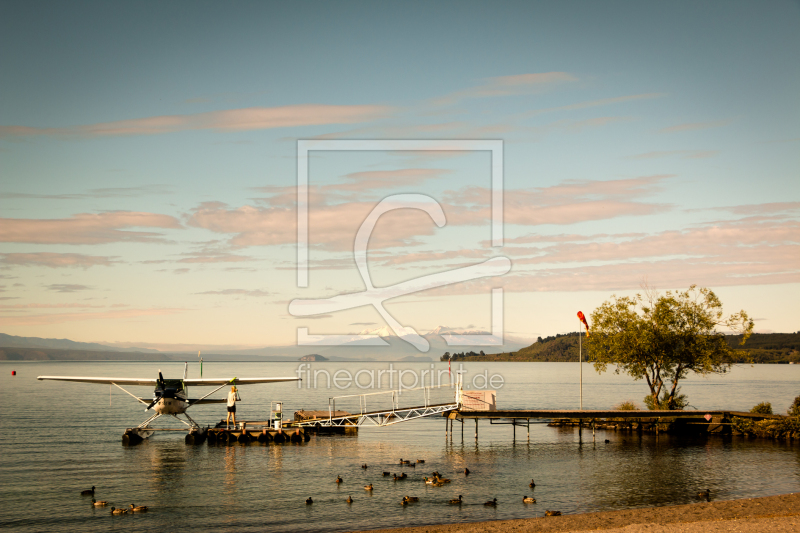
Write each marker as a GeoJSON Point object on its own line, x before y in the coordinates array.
{"type": "Point", "coordinates": [233, 396]}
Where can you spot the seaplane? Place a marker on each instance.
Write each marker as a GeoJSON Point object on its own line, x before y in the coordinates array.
{"type": "Point", "coordinates": [170, 397]}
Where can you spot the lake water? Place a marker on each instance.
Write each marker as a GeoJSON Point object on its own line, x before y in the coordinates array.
{"type": "Point", "coordinates": [59, 438]}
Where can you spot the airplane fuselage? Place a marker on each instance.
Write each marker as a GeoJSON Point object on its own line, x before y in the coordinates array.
{"type": "Point", "coordinates": [171, 406]}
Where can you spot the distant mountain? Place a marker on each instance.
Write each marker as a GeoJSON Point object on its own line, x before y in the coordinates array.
{"type": "Point", "coordinates": [12, 341]}
{"type": "Point", "coordinates": [53, 354]}
{"type": "Point", "coordinates": [313, 357]}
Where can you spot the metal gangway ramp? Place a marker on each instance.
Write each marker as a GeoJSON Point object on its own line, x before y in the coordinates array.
{"type": "Point", "coordinates": [394, 414]}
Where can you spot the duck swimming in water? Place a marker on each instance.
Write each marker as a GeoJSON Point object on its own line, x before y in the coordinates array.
{"type": "Point", "coordinates": [349, 499]}
{"type": "Point", "coordinates": [704, 495]}
{"type": "Point", "coordinates": [138, 508]}
{"type": "Point", "coordinates": [114, 510]}
{"type": "Point", "coordinates": [338, 479]}
{"type": "Point", "coordinates": [100, 503]}
{"type": "Point", "coordinates": [368, 487]}
{"type": "Point", "coordinates": [526, 499]}
{"type": "Point", "coordinates": [552, 513]}
{"type": "Point", "coordinates": [88, 492]}
{"type": "Point", "coordinates": [532, 484]}
{"type": "Point", "coordinates": [456, 501]}
{"type": "Point", "coordinates": [309, 501]}
{"type": "Point", "coordinates": [491, 503]}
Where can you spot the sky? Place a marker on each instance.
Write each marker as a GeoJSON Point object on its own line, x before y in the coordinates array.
{"type": "Point", "coordinates": [149, 163]}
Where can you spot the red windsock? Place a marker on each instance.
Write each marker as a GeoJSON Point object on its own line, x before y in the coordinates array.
{"type": "Point", "coordinates": [582, 318]}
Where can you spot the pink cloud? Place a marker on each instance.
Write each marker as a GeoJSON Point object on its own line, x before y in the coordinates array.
{"type": "Point", "coordinates": [695, 126]}
{"type": "Point", "coordinates": [509, 85]}
{"type": "Point", "coordinates": [252, 118]}
{"type": "Point", "coordinates": [60, 318]}
{"type": "Point", "coordinates": [683, 154]}
{"type": "Point", "coordinates": [56, 260]}
{"type": "Point", "coordinates": [86, 228]}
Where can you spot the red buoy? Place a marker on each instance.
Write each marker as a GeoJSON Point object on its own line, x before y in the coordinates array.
{"type": "Point", "coordinates": [13, 372]}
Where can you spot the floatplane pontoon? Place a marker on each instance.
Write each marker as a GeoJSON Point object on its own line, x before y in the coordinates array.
{"type": "Point", "coordinates": [170, 397]}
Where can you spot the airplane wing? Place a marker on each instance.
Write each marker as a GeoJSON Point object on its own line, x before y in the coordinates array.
{"type": "Point", "coordinates": [102, 381]}
{"type": "Point", "coordinates": [234, 381]}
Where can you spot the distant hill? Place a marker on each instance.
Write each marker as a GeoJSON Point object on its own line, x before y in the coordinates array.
{"type": "Point", "coordinates": [12, 341]}
{"type": "Point", "coordinates": [313, 357]}
{"type": "Point", "coordinates": [52, 354]}
{"type": "Point", "coordinates": [762, 347]}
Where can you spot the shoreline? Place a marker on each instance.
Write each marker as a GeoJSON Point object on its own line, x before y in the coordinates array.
{"type": "Point", "coordinates": [769, 513]}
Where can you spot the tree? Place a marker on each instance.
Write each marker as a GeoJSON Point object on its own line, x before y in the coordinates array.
{"type": "Point", "coordinates": [663, 338]}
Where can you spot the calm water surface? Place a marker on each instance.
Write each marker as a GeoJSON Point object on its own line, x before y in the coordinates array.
{"type": "Point", "coordinates": [59, 438]}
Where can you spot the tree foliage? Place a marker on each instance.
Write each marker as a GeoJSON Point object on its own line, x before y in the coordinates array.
{"type": "Point", "coordinates": [661, 338]}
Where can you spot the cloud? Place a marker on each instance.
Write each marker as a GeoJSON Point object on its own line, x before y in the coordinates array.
{"type": "Point", "coordinates": [695, 126]}
{"type": "Point", "coordinates": [52, 306]}
{"type": "Point", "coordinates": [596, 103]}
{"type": "Point", "coordinates": [333, 226]}
{"type": "Point", "coordinates": [239, 292]}
{"type": "Point", "coordinates": [107, 192]}
{"type": "Point", "coordinates": [761, 209]}
{"type": "Point", "coordinates": [683, 154]}
{"type": "Point", "coordinates": [244, 119]}
{"type": "Point", "coordinates": [60, 318]}
{"type": "Point", "coordinates": [385, 179]}
{"type": "Point", "coordinates": [87, 228]}
{"type": "Point", "coordinates": [67, 287]}
{"type": "Point", "coordinates": [508, 86]}
{"type": "Point", "coordinates": [56, 260]}
{"type": "Point", "coordinates": [213, 257]}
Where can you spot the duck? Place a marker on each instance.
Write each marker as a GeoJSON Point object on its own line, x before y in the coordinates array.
{"type": "Point", "coordinates": [401, 476]}
{"type": "Point", "coordinates": [608, 441]}
{"type": "Point", "coordinates": [404, 502]}
{"type": "Point", "coordinates": [100, 503]}
{"type": "Point", "coordinates": [387, 474]}
{"type": "Point", "coordinates": [526, 499]}
{"type": "Point", "coordinates": [114, 510]}
{"type": "Point", "coordinates": [338, 479]}
{"type": "Point", "coordinates": [456, 501]}
{"type": "Point", "coordinates": [138, 508]}
{"type": "Point", "coordinates": [442, 480]}
{"type": "Point", "coordinates": [466, 471]}
{"type": "Point", "coordinates": [412, 498]}
{"type": "Point", "coordinates": [704, 494]}
{"type": "Point", "coordinates": [421, 461]}
{"type": "Point", "coordinates": [404, 462]}
{"type": "Point", "coordinates": [364, 466]}
{"type": "Point", "coordinates": [532, 484]}
{"type": "Point", "coordinates": [368, 487]}
{"type": "Point", "coordinates": [88, 492]}
{"type": "Point", "coordinates": [552, 513]}
{"type": "Point", "coordinates": [309, 501]}
{"type": "Point", "coordinates": [491, 503]}
{"type": "Point", "coordinates": [349, 499]}
{"type": "Point", "coordinates": [429, 481]}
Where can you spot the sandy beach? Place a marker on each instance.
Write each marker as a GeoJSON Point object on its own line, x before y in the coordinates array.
{"type": "Point", "coordinates": [770, 514]}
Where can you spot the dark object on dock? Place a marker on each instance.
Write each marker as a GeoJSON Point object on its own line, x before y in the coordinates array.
{"type": "Point", "coordinates": [264, 437]}
{"type": "Point", "coordinates": [457, 501]}
{"type": "Point", "coordinates": [309, 501]}
{"type": "Point", "coordinates": [532, 484]}
{"type": "Point", "coordinates": [196, 436]}
{"type": "Point", "coordinates": [386, 474]}
{"type": "Point", "coordinates": [466, 471]}
{"type": "Point", "coordinates": [552, 513]}
{"type": "Point", "coordinates": [491, 503]}
{"type": "Point", "coordinates": [278, 438]}
{"type": "Point", "coordinates": [338, 479]}
{"type": "Point", "coordinates": [704, 495]}
{"type": "Point", "coordinates": [243, 438]}
{"type": "Point", "coordinates": [88, 492]}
